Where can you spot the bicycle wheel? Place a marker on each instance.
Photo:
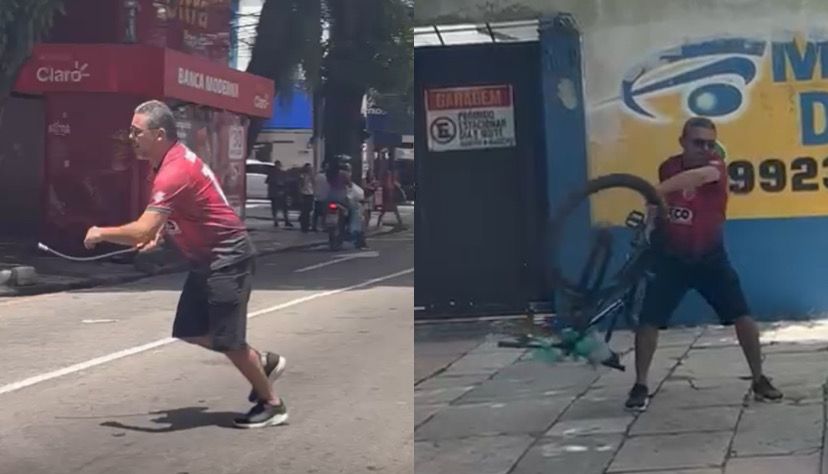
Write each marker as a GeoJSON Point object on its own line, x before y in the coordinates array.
{"type": "Point", "coordinates": [629, 273]}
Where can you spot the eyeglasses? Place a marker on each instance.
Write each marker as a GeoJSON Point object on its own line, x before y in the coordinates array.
{"type": "Point", "coordinates": [704, 144]}
{"type": "Point", "coordinates": [135, 131]}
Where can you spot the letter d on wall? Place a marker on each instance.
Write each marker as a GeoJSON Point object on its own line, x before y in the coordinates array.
{"type": "Point", "coordinates": [813, 105]}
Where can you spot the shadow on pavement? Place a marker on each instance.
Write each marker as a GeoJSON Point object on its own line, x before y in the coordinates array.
{"type": "Point", "coordinates": [180, 419]}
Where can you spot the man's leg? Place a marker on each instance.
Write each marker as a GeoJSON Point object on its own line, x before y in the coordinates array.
{"type": "Point", "coordinates": [274, 210]}
{"type": "Point", "coordinates": [721, 288]}
{"type": "Point", "coordinates": [355, 223]}
{"type": "Point", "coordinates": [748, 334]}
{"type": "Point", "coordinates": [663, 294]}
{"type": "Point", "coordinates": [248, 361]}
{"type": "Point", "coordinates": [284, 206]}
{"type": "Point", "coordinates": [304, 215]}
{"type": "Point", "coordinates": [317, 212]}
{"type": "Point", "coordinates": [646, 342]}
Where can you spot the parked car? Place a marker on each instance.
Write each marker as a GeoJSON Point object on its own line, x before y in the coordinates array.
{"type": "Point", "coordinates": [257, 171]}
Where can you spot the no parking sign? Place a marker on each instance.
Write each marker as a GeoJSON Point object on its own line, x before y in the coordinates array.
{"type": "Point", "coordinates": [470, 118]}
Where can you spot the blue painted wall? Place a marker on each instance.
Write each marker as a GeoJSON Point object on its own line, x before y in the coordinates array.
{"type": "Point", "coordinates": [565, 132]}
{"type": "Point", "coordinates": [782, 264]}
{"type": "Point", "coordinates": [296, 114]}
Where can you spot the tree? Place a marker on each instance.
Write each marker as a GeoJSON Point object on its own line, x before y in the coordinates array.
{"type": "Point", "coordinates": [369, 48]}
{"type": "Point", "coordinates": [288, 41]}
{"type": "Point", "coordinates": [22, 24]}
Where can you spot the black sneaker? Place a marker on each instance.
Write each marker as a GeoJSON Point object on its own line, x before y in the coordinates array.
{"type": "Point", "coordinates": [638, 399]}
{"type": "Point", "coordinates": [263, 414]}
{"type": "Point", "coordinates": [274, 365]}
{"type": "Point", "coordinates": [763, 390]}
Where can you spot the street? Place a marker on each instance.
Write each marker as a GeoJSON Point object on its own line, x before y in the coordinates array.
{"type": "Point", "coordinates": [92, 383]}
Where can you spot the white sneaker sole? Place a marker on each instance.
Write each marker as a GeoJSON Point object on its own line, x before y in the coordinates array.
{"type": "Point", "coordinates": [275, 421]}
{"type": "Point", "coordinates": [640, 409]}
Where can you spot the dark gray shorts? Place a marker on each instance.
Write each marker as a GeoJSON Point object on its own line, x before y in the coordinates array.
{"type": "Point", "coordinates": [214, 303]}
{"type": "Point", "coordinates": [712, 276]}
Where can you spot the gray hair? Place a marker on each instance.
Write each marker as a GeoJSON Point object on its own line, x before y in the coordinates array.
{"type": "Point", "coordinates": [159, 115]}
{"type": "Point", "coordinates": [701, 122]}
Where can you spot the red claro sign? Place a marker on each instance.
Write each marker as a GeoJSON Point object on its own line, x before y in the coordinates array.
{"type": "Point", "coordinates": [145, 70]}
{"type": "Point", "coordinates": [75, 72]}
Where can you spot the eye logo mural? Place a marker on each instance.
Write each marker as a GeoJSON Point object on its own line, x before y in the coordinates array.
{"type": "Point", "coordinates": [713, 75]}
{"type": "Point", "coordinates": [768, 98]}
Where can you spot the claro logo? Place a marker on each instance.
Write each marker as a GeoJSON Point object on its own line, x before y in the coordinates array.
{"type": "Point", "coordinates": [53, 74]}
{"type": "Point", "coordinates": [260, 102]}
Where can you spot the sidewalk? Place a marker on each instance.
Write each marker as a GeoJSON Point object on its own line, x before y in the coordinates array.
{"type": "Point", "coordinates": [57, 274]}
{"type": "Point", "coordinates": [480, 409]}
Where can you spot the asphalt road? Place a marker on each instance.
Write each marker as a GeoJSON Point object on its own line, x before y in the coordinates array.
{"type": "Point", "coordinates": [90, 381]}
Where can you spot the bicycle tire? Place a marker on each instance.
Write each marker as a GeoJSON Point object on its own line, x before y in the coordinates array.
{"type": "Point", "coordinates": [630, 273]}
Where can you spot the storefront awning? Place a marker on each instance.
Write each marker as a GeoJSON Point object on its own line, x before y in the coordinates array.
{"type": "Point", "coordinates": [146, 71]}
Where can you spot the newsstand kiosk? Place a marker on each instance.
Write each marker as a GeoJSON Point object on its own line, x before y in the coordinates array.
{"type": "Point", "coordinates": [91, 176]}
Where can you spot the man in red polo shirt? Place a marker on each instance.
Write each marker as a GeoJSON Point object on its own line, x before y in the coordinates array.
{"type": "Point", "coordinates": [690, 253]}
{"type": "Point", "coordinates": [188, 203]}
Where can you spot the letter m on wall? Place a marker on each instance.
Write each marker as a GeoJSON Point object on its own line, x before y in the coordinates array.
{"type": "Point", "coordinates": [802, 60]}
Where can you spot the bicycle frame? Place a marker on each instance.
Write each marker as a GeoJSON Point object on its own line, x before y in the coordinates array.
{"type": "Point", "coordinates": [609, 302]}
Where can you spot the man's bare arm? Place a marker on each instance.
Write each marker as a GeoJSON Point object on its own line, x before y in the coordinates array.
{"type": "Point", "coordinates": [136, 233]}
{"type": "Point", "coordinates": [690, 179]}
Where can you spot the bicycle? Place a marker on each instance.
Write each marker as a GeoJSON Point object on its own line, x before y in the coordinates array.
{"type": "Point", "coordinates": [587, 303]}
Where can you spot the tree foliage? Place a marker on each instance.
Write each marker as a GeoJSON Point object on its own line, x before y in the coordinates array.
{"type": "Point", "coordinates": [368, 50]}
{"type": "Point", "coordinates": [22, 24]}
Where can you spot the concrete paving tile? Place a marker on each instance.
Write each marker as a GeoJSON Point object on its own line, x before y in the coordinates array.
{"type": "Point", "coordinates": [583, 454]}
{"type": "Point", "coordinates": [799, 392]}
{"type": "Point", "coordinates": [677, 393]}
{"type": "Point", "coordinates": [482, 363]}
{"type": "Point", "coordinates": [423, 412]}
{"type": "Point", "coordinates": [771, 429]}
{"type": "Point", "coordinates": [585, 408]}
{"type": "Point", "coordinates": [567, 374]}
{"type": "Point", "coordinates": [714, 362]}
{"type": "Point", "coordinates": [426, 366]}
{"type": "Point", "coordinates": [439, 395]}
{"type": "Point", "coordinates": [717, 339]}
{"type": "Point", "coordinates": [672, 452]}
{"type": "Point", "coordinates": [590, 426]}
{"type": "Point", "coordinates": [515, 417]}
{"type": "Point", "coordinates": [503, 389]}
{"type": "Point", "coordinates": [774, 465]}
{"type": "Point", "coordinates": [454, 347]}
{"type": "Point", "coordinates": [678, 338]}
{"type": "Point", "coordinates": [448, 381]}
{"type": "Point", "coordinates": [683, 471]}
{"type": "Point", "coordinates": [487, 455]}
{"type": "Point", "coordinates": [685, 420]}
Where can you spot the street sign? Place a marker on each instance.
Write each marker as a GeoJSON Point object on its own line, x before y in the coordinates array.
{"type": "Point", "coordinates": [470, 118]}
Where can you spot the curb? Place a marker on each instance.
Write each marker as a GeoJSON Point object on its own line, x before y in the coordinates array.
{"type": "Point", "coordinates": [93, 282]}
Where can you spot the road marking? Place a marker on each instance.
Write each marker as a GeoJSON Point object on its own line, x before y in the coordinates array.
{"type": "Point", "coordinates": [14, 386]}
{"type": "Point", "coordinates": [324, 264]}
{"type": "Point", "coordinates": [343, 258]}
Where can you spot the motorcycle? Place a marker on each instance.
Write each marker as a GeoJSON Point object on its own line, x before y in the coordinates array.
{"type": "Point", "coordinates": [337, 225]}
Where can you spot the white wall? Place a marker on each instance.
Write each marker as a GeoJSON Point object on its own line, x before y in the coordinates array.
{"type": "Point", "coordinates": [290, 147]}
